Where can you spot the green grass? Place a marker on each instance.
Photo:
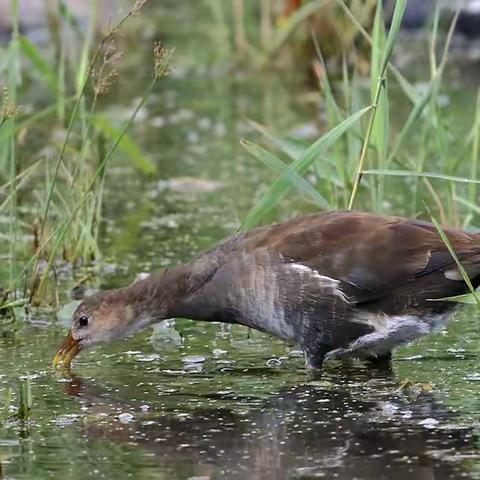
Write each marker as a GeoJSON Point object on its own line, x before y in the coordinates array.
{"type": "Point", "coordinates": [440, 177]}
{"type": "Point", "coordinates": [66, 205]}
{"type": "Point", "coordinates": [368, 156]}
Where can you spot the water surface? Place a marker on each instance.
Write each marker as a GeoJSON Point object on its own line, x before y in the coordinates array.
{"type": "Point", "coordinates": [205, 401]}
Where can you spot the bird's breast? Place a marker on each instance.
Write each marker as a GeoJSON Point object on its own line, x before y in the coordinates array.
{"type": "Point", "coordinates": [283, 299]}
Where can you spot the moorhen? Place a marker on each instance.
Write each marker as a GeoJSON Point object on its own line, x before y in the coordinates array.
{"type": "Point", "coordinates": [338, 284]}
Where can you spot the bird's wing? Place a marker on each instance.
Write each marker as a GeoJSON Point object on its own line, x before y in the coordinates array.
{"type": "Point", "coordinates": [372, 256]}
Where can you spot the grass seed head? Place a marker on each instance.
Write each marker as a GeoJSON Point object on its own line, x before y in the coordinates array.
{"type": "Point", "coordinates": [107, 74]}
{"type": "Point", "coordinates": [161, 56]}
{"type": "Point", "coordinates": [9, 108]}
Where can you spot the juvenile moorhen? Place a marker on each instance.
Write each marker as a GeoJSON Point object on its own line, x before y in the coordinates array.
{"type": "Point", "coordinates": [338, 284]}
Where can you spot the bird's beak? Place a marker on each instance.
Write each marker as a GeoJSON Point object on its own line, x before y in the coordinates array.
{"type": "Point", "coordinates": [67, 352]}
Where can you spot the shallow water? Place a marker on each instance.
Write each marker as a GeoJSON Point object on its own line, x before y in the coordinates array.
{"type": "Point", "coordinates": [203, 401]}
{"type": "Point", "coordinates": [198, 400]}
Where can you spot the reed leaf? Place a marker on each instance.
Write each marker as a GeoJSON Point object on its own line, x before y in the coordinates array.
{"type": "Point", "coordinates": [392, 34]}
{"type": "Point", "coordinates": [126, 144]}
{"type": "Point", "coordinates": [31, 51]}
{"type": "Point", "coordinates": [275, 164]}
{"type": "Point", "coordinates": [461, 268]}
{"type": "Point", "coordinates": [400, 6]}
{"type": "Point", "coordinates": [407, 173]}
{"type": "Point", "coordinates": [407, 87]}
{"type": "Point", "coordinates": [300, 166]}
{"type": "Point", "coordinates": [289, 147]}
{"type": "Point", "coordinates": [380, 124]}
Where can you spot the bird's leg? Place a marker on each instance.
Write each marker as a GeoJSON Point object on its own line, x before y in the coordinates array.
{"type": "Point", "coordinates": [379, 344]}
{"type": "Point", "coordinates": [383, 361]}
{"type": "Point", "coordinates": [364, 347]}
{"type": "Point", "coordinates": [314, 357]}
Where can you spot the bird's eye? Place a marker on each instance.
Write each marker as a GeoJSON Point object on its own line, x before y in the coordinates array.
{"type": "Point", "coordinates": [83, 321]}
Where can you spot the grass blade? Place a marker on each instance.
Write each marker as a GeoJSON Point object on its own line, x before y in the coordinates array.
{"type": "Point", "coordinates": [466, 298]}
{"type": "Point", "coordinates": [447, 243]}
{"type": "Point", "coordinates": [126, 144]}
{"type": "Point", "coordinates": [32, 52]}
{"type": "Point", "coordinates": [275, 164]}
{"type": "Point", "coordinates": [300, 166]}
{"type": "Point", "coordinates": [400, 6]}
{"type": "Point", "coordinates": [289, 147]}
{"type": "Point", "coordinates": [407, 173]}
{"type": "Point", "coordinates": [392, 35]}
{"type": "Point", "coordinates": [380, 125]}
{"type": "Point", "coordinates": [407, 87]}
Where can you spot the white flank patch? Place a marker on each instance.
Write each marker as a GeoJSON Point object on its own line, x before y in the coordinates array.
{"type": "Point", "coordinates": [299, 266]}
{"type": "Point", "coordinates": [325, 282]}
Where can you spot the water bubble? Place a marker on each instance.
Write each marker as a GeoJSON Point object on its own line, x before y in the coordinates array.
{"type": "Point", "coordinates": [217, 352]}
{"type": "Point", "coordinates": [429, 422]}
{"type": "Point", "coordinates": [125, 417]}
{"type": "Point", "coordinates": [194, 359]}
{"type": "Point", "coordinates": [148, 358]}
{"type": "Point", "coordinates": [389, 408]}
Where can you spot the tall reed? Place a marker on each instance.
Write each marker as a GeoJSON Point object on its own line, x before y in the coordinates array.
{"type": "Point", "coordinates": [409, 153]}
{"type": "Point", "coordinates": [70, 211]}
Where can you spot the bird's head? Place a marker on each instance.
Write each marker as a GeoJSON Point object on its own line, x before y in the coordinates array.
{"type": "Point", "coordinates": [103, 317]}
{"type": "Point", "coordinates": [114, 314]}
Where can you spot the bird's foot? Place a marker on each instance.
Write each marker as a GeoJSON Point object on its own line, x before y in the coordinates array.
{"type": "Point", "coordinates": [339, 353]}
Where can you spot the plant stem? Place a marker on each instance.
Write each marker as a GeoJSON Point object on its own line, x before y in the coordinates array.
{"type": "Point", "coordinates": [366, 143]}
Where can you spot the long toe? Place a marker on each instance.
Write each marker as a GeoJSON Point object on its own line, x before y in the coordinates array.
{"type": "Point", "coordinates": [338, 353]}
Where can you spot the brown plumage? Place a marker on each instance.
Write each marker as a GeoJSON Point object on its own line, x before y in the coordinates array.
{"type": "Point", "coordinates": [338, 284]}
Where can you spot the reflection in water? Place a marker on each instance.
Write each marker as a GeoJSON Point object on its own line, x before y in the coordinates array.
{"type": "Point", "coordinates": [306, 431]}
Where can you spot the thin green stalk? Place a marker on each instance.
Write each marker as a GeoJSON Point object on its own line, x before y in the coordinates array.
{"type": "Point", "coordinates": [433, 42]}
{"type": "Point", "coordinates": [472, 190]}
{"type": "Point", "coordinates": [406, 173]}
{"type": "Point", "coordinates": [366, 143]}
{"type": "Point", "coordinates": [17, 184]}
{"type": "Point", "coordinates": [407, 87]}
{"type": "Point", "coordinates": [76, 107]}
{"type": "Point", "coordinates": [160, 70]}
{"type": "Point", "coordinates": [380, 127]}
{"type": "Point", "coordinates": [390, 42]}
{"type": "Point", "coordinates": [59, 235]}
{"type": "Point", "coordinates": [13, 82]}
{"type": "Point", "coordinates": [124, 130]}
{"type": "Point", "coordinates": [73, 118]}
{"type": "Point", "coordinates": [25, 400]}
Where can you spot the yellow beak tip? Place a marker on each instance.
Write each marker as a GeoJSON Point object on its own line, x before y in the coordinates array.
{"type": "Point", "coordinates": [57, 360]}
{"type": "Point", "coordinates": [67, 352]}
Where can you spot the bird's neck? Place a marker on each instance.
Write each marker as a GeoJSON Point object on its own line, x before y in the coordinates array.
{"type": "Point", "coordinates": [156, 297]}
